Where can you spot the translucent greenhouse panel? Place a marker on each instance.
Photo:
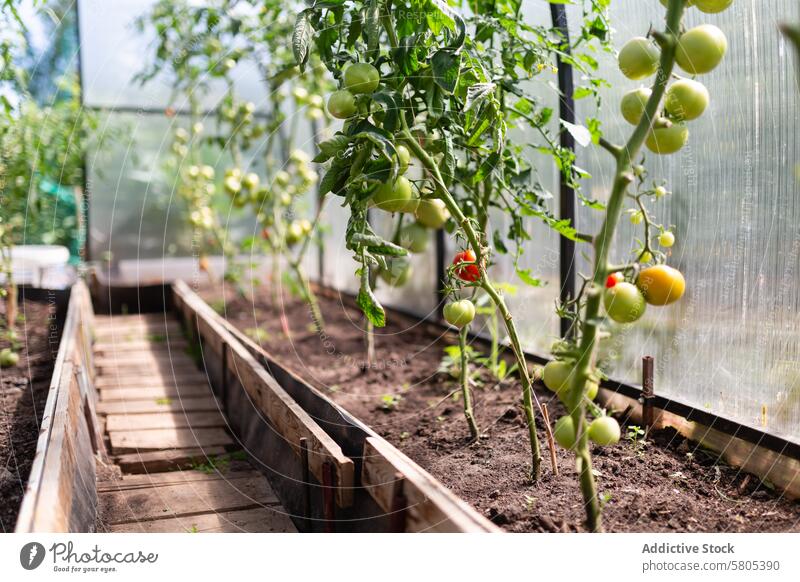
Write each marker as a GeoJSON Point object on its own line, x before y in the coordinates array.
{"type": "Point", "coordinates": [134, 212]}
{"type": "Point", "coordinates": [732, 344]}
{"type": "Point", "coordinates": [113, 51]}
{"type": "Point", "coordinates": [339, 267]}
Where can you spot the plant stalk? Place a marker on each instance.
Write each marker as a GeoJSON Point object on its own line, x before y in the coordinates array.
{"type": "Point", "coordinates": [602, 243]}
{"type": "Point", "coordinates": [486, 284]}
{"type": "Point", "coordinates": [464, 382]}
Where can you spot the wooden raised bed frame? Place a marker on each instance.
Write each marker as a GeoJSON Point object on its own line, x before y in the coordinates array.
{"type": "Point", "coordinates": [387, 490]}
{"type": "Point", "coordinates": [61, 494]}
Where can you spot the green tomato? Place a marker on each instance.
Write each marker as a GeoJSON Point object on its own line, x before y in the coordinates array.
{"type": "Point", "coordinates": [633, 104]}
{"type": "Point", "coordinates": [557, 376]}
{"type": "Point", "coordinates": [361, 78]}
{"type": "Point", "coordinates": [592, 388]}
{"type": "Point", "coordinates": [686, 100]}
{"type": "Point", "coordinates": [414, 237]}
{"type": "Point", "coordinates": [667, 140]}
{"type": "Point", "coordinates": [232, 185]}
{"type": "Point", "coordinates": [294, 233]}
{"type": "Point", "coordinates": [342, 104]}
{"type": "Point", "coordinates": [207, 172]}
{"type": "Point", "coordinates": [701, 49]}
{"type": "Point", "coordinates": [564, 432]}
{"type": "Point", "coordinates": [403, 158]}
{"type": "Point", "coordinates": [666, 239]}
{"type": "Point", "coordinates": [432, 213]}
{"type": "Point", "coordinates": [398, 272]}
{"type": "Point", "coordinates": [250, 181]}
{"type": "Point", "coordinates": [306, 226]}
{"type": "Point", "coordinates": [712, 6]}
{"type": "Point", "coordinates": [638, 58]}
{"type": "Point", "coordinates": [624, 302]}
{"type": "Point", "coordinates": [604, 431]}
{"type": "Point", "coordinates": [397, 197]}
{"type": "Point", "coordinates": [459, 313]}
{"type": "Point", "coordinates": [8, 358]}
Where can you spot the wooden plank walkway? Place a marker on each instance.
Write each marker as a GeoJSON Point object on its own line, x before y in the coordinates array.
{"type": "Point", "coordinates": [181, 468]}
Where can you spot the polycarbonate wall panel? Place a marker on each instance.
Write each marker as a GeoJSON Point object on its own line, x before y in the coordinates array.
{"type": "Point", "coordinates": [135, 212]}
{"type": "Point", "coordinates": [732, 344]}
{"type": "Point", "coordinates": [113, 51]}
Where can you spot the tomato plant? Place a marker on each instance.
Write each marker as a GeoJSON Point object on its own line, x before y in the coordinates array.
{"type": "Point", "coordinates": [447, 88]}
{"type": "Point", "coordinates": [656, 284]}
{"type": "Point", "coordinates": [198, 44]}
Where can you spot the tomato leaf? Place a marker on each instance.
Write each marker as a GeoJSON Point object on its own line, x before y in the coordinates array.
{"type": "Point", "coordinates": [446, 66]}
{"type": "Point", "coordinates": [331, 147]}
{"type": "Point", "coordinates": [301, 38]}
{"type": "Point", "coordinates": [368, 303]}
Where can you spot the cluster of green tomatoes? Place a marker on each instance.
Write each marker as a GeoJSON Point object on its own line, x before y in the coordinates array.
{"type": "Point", "coordinates": [699, 51]}
{"type": "Point", "coordinates": [627, 294]}
{"type": "Point", "coordinates": [360, 80]}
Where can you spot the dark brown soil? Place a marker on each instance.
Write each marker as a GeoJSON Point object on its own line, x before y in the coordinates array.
{"type": "Point", "coordinates": [664, 485]}
{"type": "Point", "coordinates": [23, 392]}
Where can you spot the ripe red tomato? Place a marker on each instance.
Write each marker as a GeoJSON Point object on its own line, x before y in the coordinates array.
{"type": "Point", "coordinates": [469, 273]}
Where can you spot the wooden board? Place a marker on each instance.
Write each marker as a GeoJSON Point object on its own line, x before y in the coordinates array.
{"type": "Point", "coordinates": [165, 478]}
{"type": "Point", "coordinates": [194, 404]}
{"type": "Point", "coordinates": [126, 381]}
{"type": "Point", "coordinates": [431, 507]}
{"type": "Point", "coordinates": [60, 494]}
{"type": "Point", "coordinates": [294, 423]}
{"type": "Point", "coordinates": [260, 520]}
{"type": "Point", "coordinates": [160, 439]}
{"type": "Point", "coordinates": [186, 499]}
{"type": "Point", "coordinates": [154, 461]}
{"type": "Point", "coordinates": [153, 394]}
{"type": "Point", "coordinates": [174, 344]}
{"type": "Point", "coordinates": [116, 422]}
{"type": "Point", "coordinates": [160, 357]}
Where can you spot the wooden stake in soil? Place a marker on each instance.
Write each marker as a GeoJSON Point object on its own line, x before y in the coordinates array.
{"type": "Point", "coordinates": [648, 392]}
{"type": "Point", "coordinates": [397, 519]}
{"type": "Point", "coordinates": [550, 441]}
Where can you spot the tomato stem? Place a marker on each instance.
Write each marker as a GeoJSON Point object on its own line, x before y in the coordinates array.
{"type": "Point", "coordinates": [464, 382]}
{"type": "Point", "coordinates": [622, 179]}
{"type": "Point", "coordinates": [528, 396]}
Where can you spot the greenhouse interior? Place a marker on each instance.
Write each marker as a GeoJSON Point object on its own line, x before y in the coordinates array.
{"type": "Point", "coordinates": [363, 266]}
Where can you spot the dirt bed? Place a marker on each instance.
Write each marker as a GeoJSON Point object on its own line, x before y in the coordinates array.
{"type": "Point", "coordinates": [667, 484]}
{"type": "Point", "coordinates": [23, 392]}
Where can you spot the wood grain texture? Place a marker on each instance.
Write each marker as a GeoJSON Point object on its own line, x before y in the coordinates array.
{"type": "Point", "coordinates": [186, 499]}
{"type": "Point", "coordinates": [61, 491]}
{"type": "Point", "coordinates": [116, 422]}
{"type": "Point", "coordinates": [156, 461]}
{"type": "Point", "coordinates": [260, 520]}
{"type": "Point", "coordinates": [131, 441]}
{"type": "Point", "coordinates": [191, 404]}
{"type": "Point", "coordinates": [154, 393]}
{"type": "Point", "coordinates": [431, 506]}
